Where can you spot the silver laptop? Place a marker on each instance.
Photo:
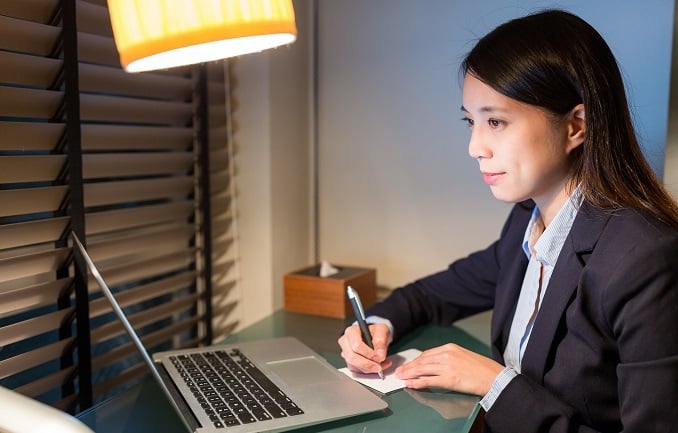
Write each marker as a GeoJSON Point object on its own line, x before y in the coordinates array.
{"type": "Point", "coordinates": [267, 385]}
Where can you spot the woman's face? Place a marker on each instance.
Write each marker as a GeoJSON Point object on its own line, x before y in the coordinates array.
{"type": "Point", "coordinates": [521, 150]}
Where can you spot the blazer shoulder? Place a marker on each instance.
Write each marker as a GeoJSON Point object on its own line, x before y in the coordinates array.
{"type": "Point", "coordinates": [620, 232]}
{"type": "Point", "coordinates": [624, 221]}
{"type": "Point", "coordinates": [640, 225]}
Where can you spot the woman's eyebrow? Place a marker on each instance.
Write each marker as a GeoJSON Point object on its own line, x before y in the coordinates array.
{"type": "Point", "coordinates": [487, 109]}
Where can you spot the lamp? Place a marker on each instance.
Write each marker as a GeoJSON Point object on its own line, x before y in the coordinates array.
{"type": "Point", "coordinates": [159, 34]}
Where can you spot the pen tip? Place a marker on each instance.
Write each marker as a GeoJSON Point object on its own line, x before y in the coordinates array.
{"type": "Point", "coordinates": [381, 374]}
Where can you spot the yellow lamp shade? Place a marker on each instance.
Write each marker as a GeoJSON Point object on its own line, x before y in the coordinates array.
{"type": "Point", "coordinates": [160, 34]}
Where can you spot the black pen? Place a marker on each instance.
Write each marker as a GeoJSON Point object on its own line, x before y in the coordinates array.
{"type": "Point", "coordinates": [360, 318]}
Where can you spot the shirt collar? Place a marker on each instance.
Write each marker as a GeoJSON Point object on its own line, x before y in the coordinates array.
{"type": "Point", "coordinates": [550, 243]}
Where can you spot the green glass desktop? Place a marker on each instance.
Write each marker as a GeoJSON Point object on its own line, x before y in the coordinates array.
{"type": "Point", "coordinates": [143, 407]}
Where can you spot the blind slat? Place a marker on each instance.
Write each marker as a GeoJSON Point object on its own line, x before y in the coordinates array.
{"type": "Point", "coordinates": [142, 216]}
{"type": "Point", "coordinates": [221, 248]}
{"type": "Point", "coordinates": [27, 36]}
{"type": "Point", "coordinates": [31, 10]}
{"type": "Point", "coordinates": [219, 183]}
{"type": "Point", "coordinates": [218, 138]}
{"type": "Point", "coordinates": [93, 18]}
{"type": "Point", "coordinates": [32, 264]}
{"type": "Point", "coordinates": [29, 103]}
{"type": "Point", "coordinates": [217, 115]}
{"type": "Point", "coordinates": [31, 200]}
{"type": "Point", "coordinates": [171, 239]}
{"type": "Point", "coordinates": [114, 81]}
{"type": "Point", "coordinates": [33, 327]}
{"type": "Point", "coordinates": [220, 206]}
{"type": "Point", "coordinates": [222, 268]}
{"type": "Point", "coordinates": [134, 164]}
{"type": "Point", "coordinates": [33, 232]}
{"type": "Point", "coordinates": [97, 49]}
{"type": "Point", "coordinates": [33, 358]}
{"type": "Point", "coordinates": [34, 296]}
{"type": "Point", "coordinates": [98, 194]}
{"type": "Point", "coordinates": [221, 226]}
{"type": "Point", "coordinates": [149, 340]}
{"type": "Point", "coordinates": [47, 383]}
{"type": "Point", "coordinates": [29, 135]}
{"type": "Point", "coordinates": [34, 168]}
{"type": "Point", "coordinates": [104, 108]}
{"type": "Point", "coordinates": [222, 289]}
{"type": "Point", "coordinates": [219, 162]}
{"type": "Point", "coordinates": [226, 309]}
{"type": "Point", "coordinates": [28, 70]}
{"type": "Point", "coordinates": [144, 318]}
{"type": "Point", "coordinates": [144, 268]}
{"type": "Point", "coordinates": [144, 292]}
{"type": "Point", "coordinates": [123, 137]}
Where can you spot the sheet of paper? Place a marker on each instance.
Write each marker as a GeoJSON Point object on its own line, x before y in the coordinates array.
{"type": "Point", "coordinates": [390, 383]}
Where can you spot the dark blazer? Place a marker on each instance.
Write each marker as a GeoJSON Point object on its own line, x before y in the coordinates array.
{"type": "Point", "coordinates": [603, 353]}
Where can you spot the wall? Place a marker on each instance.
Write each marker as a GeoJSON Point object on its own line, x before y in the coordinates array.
{"type": "Point", "coordinates": [397, 188]}
{"type": "Point", "coordinates": [272, 165]}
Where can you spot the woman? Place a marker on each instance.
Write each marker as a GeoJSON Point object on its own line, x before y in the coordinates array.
{"type": "Point", "coordinates": [583, 280]}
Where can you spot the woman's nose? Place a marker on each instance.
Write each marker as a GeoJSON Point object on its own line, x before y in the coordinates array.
{"type": "Point", "coordinates": [476, 146]}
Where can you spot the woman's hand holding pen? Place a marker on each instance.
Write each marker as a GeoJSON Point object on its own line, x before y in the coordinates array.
{"type": "Point", "coordinates": [358, 355]}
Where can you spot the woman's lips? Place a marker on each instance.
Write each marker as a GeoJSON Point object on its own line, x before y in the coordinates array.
{"type": "Point", "coordinates": [491, 178]}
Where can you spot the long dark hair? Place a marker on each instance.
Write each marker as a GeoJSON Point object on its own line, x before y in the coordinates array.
{"type": "Point", "coordinates": [555, 60]}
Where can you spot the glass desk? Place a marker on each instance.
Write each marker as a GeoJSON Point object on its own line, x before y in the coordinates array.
{"type": "Point", "coordinates": [143, 407]}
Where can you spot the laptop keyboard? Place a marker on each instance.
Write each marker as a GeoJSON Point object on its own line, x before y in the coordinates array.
{"type": "Point", "coordinates": [231, 389]}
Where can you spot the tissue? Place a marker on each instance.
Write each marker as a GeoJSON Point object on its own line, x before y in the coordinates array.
{"type": "Point", "coordinates": [326, 269]}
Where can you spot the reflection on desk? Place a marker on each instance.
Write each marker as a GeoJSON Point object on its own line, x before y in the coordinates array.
{"type": "Point", "coordinates": [143, 408]}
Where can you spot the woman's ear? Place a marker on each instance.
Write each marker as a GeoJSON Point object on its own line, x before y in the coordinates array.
{"type": "Point", "coordinates": [576, 127]}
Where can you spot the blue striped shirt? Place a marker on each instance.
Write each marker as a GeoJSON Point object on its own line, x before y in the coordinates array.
{"type": "Point", "coordinates": [539, 269]}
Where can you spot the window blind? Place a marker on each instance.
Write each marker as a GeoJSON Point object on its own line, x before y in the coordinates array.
{"type": "Point", "coordinates": [138, 166]}
{"type": "Point", "coordinates": [37, 339]}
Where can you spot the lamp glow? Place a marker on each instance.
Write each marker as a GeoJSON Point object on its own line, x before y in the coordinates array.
{"type": "Point", "coordinates": [160, 34]}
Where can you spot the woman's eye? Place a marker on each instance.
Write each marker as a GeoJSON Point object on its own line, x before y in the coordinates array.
{"type": "Point", "coordinates": [469, 122]}
{"type": "Point", "coordinates": [495, 123]}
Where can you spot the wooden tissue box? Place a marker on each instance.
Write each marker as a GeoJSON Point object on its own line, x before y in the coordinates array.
{"type": "Point", "coordinates": [307, 292]}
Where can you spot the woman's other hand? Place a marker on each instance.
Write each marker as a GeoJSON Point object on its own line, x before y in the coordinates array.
{"type": "Point", "coordinates": [451, 367]}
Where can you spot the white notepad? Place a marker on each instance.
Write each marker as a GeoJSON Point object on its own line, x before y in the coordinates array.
{"type": "Point", "coordinates": [390, 382]}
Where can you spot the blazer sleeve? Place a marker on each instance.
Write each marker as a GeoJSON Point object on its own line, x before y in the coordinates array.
{"type": "Point", "coordinates": [466, 287]}
{"type": "Point", "coordinates": [640, 307]}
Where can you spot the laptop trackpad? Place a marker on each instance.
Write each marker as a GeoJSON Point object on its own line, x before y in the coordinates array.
{"type": "Point", "coordinates": [301, 371]}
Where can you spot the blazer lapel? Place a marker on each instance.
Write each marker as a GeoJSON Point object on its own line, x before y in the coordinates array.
{"type": "Point", "coordinates": [512, 268]}
{"type": "Point", "coordinates": [506, 299]}
{"type": "Point", "coordinates": [580, 242]}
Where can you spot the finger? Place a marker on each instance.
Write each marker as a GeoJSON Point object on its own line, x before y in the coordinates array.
{"type": "Point", "coordinates": [380, 337]}
{"type": "Point", "coordinates": [358, 363]}
{"type": "Point", "coordinates": [441, 360]}
{"type": "Point", "coordinates": [424, 382]}
{"type": "Point", "coordinates": [441, 350]}
{"type": "Point", "coordinates": [386, 365]}
{"type": "Point", "coordinates": [355, 343]}
{"type": "Point", "coordinates": [446, 354]}
{"type": "Point", "coordinates": [358, 355]}
{"type": "Point", "coordinates": [415, 370]}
